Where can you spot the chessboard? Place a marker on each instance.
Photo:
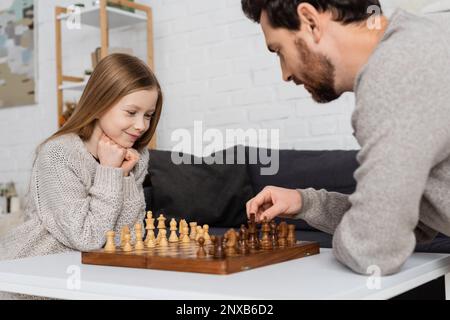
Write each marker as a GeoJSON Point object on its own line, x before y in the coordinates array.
{"type": "Point", "coordinates": [197, 251]}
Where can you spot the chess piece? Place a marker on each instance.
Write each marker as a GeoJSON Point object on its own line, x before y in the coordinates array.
{"type": "Point", "coordinates": [253, 241]}
{"type": "Point", "coordinates": [206, 234]}
{"type": "Point", "coordinates": [151, 243]}
{"type": "Point", "coordinates": [243, 242]}
{"type": "Point", "coordinates": [161, 225]}
{"type": "Point", "coordinates": [231, 244]}
{"type": "Point", "coordinates": [266, 243]}
{"type": "Point", "coordinates": [149, 226]}
{"type": "Point", "coordinates": [139, 243]}
{"type": "Point", "coordinates": [181, 226]}
{"type": "Point", "coordinates": [185, 238]}
{"type": "Point", "coordinates": [127, 243]}
{"type": "Point", "coordinates": [173, 231]}
{"type": "Point", "coordinates": [282, 234]}
{"type": "Point", "coordinates": [161, 222]}
{"type": "Point", "coordinates": [291, 239]}
{"type": "Point", "coordinates": [199, 233]}
{"type": "Point", "coordinates": [201, 253]}
{"type": "Point", "coordinates": [273, 234]}
{"type": "Point", "coordinates": [218, 248]}
{"type": "Point", "coordinates": [213, 241]}
{"type": "Point", "coordinates": [110, 245]}
{"type": "Point", "coordinates": [125, 230]}
{"type": "Point", "coordinates": [193, 226]}
{"type": "Point", "coordinates": [163, 238]}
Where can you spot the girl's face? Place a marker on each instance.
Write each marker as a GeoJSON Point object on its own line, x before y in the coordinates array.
{"type": "Point", "coordinates": [129, 119]}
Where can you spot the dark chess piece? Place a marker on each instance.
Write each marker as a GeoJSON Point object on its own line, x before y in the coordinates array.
{"type": "Point", "coordinates": [253, 241]}
{"type": "Point", "coordinates": [243, 242]}
{"type": "Point", "coordinates": [291, 239]}
{"type": "Point", "coordinates": [266, 243]}
{"type": "Point", "coordinates": [201, 253]}
{"type": "Point", "coordinates": [231, 243]}
{"type": "Point", "coordinates": [213, 241]}
{"type": "Point", "coordinates": [282, 234]}
{"type": "Point", "coordinates": [273, 234]}
{"type": "Point", "coordinates": [219, 252]}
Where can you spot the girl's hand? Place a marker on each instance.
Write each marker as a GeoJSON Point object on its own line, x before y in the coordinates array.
{"type": "Point", "coordinates": [109, 153]}
{"type": "Point", "coordinates": [131, 158]}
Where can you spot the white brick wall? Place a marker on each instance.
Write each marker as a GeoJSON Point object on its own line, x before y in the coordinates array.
{"type": "Point", "coordinates": [213, 65]}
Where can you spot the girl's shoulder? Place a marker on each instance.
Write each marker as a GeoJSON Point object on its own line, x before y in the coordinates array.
{"type": "Point", "coordinates": [63, 146]}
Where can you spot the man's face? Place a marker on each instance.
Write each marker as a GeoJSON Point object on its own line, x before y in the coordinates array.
{"type": "Point", "coordinates": [300, 64]}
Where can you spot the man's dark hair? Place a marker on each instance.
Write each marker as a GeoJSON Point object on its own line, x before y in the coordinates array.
{"type": "Point", "coordinates": [283, 13]}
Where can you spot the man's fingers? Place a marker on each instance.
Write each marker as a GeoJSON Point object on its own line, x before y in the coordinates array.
{"type": "Point", "coordinates": [253, 206]}
{"type": "Point", "coordinates": [272, 212]}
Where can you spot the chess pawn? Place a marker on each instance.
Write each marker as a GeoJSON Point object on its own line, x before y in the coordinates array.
{"type": "Point", "coordinates": [185, 238]}
{"type": "Point", "coordinates": [193, 234]}
{"type": "Point", "coordinates": [291, 239]}
{"type": "Point", "coordinates": [266, 243]}
{"type": "Point", "coordinates": [163, 238]}
{"type": "Point", "coordinates": [282, 234]}
{"type": "Point", "coordinates": [206, 234]}
{"type": "Point", "coordinates": [173, 231]}
{"type": "Point", "coordinates": [201, 253]}
{"type": "Point", "coordinates": [243, 242]}
{"type": "Point", "coordinates": [253, 241]}
{"type": "Point", "coordinates": [149, 214]}
{"type": "Point", "coordinates": [161, 222]}
{"type": "Point", "coordinates": [125, 230]}
{"type": "Point", "coordinates": [139, 243]}
{"type": "Point", "coordinates": [150, 226]}
{"type": "Point", "coordinates": [181, 226]}
{"type": "Point", "coordinates": [273, 234]}
{"type": "Point", "coordinates": [127, 245]}
{"type": "Point", "coordinates": [110, 245]}
{"type": "Point", "coordinates": [218, 248]}
{"type": "Point", "coordinates": [199, 233]}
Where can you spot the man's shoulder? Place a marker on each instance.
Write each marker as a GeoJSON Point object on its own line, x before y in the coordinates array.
{"type": "Point", "coordinates": [410, 45]}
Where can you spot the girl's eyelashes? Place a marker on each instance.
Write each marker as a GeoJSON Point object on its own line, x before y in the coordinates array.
{"type": "Point", "coordinates": [132, 113]}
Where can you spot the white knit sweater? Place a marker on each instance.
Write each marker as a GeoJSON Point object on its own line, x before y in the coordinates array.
{"type": "Point", "coordinates": [73, 201]}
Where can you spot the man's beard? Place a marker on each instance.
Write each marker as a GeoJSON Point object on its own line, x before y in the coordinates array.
{"type": "Point", "coordinates": [320, 79]}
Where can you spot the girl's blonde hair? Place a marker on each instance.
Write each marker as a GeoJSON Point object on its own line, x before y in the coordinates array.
{"type": "Point", "coordinates": [116, 76]}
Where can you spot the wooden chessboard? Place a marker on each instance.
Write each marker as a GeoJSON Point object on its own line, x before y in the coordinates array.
{"type": "Point", "coordinates": [183, 257]}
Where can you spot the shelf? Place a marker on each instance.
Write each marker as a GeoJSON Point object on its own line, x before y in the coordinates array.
{"type": "Point", "coordinates": [117, 18]}
{"type": "Point", "coordinates": [73, 86]}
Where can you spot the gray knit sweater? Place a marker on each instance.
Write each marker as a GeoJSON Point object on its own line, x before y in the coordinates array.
{"type": "Point", "coordinates": [73, 201]}
{"type": "Point", "coordinates": [402, 122]}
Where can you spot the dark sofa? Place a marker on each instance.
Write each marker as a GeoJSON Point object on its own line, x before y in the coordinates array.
{"type": "Point", "coordinates": [216, 194]}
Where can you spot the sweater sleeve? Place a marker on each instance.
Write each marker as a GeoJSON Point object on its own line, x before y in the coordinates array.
{"type": "Point", "coordinates": [323, 210]}
{"type": "Point", "coordinates": [133, 209]}
{"type": "Point", "coordinates": [76, 217]}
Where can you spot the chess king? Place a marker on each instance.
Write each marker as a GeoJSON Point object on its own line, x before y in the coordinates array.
{"type": "Point", "coordinates": [399, 71]}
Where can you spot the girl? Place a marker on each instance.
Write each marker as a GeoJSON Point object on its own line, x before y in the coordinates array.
{"type": "Point", "coordinates": [87, 177]}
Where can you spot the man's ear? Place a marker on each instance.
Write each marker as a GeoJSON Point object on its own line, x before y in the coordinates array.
{"type": "Point", "coordinates": [309, 21]}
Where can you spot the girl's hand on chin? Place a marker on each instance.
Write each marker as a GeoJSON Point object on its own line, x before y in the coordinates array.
{"type": "Point", "coordinates": [109, 153]}
{"type": "Point", "coordinates": [131, 158]}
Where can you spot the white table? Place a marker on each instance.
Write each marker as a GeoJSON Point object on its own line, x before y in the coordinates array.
{"type": "Point", "coordinates": [316, 277]}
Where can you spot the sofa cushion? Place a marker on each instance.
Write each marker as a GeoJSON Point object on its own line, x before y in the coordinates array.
{"type": "Point", "coordinates": [213, 194]}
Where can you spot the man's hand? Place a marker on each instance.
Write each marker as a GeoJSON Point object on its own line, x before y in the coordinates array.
{"type": "Point", "coordinates": [131, 158]}
{"type": "Point", "coordinates": [274, 201]}
{"type": "Point", "coordinates": [109, 153]}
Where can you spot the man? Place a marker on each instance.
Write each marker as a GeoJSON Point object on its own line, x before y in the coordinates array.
{"type": "Point", "coordinates": [399, 70]}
